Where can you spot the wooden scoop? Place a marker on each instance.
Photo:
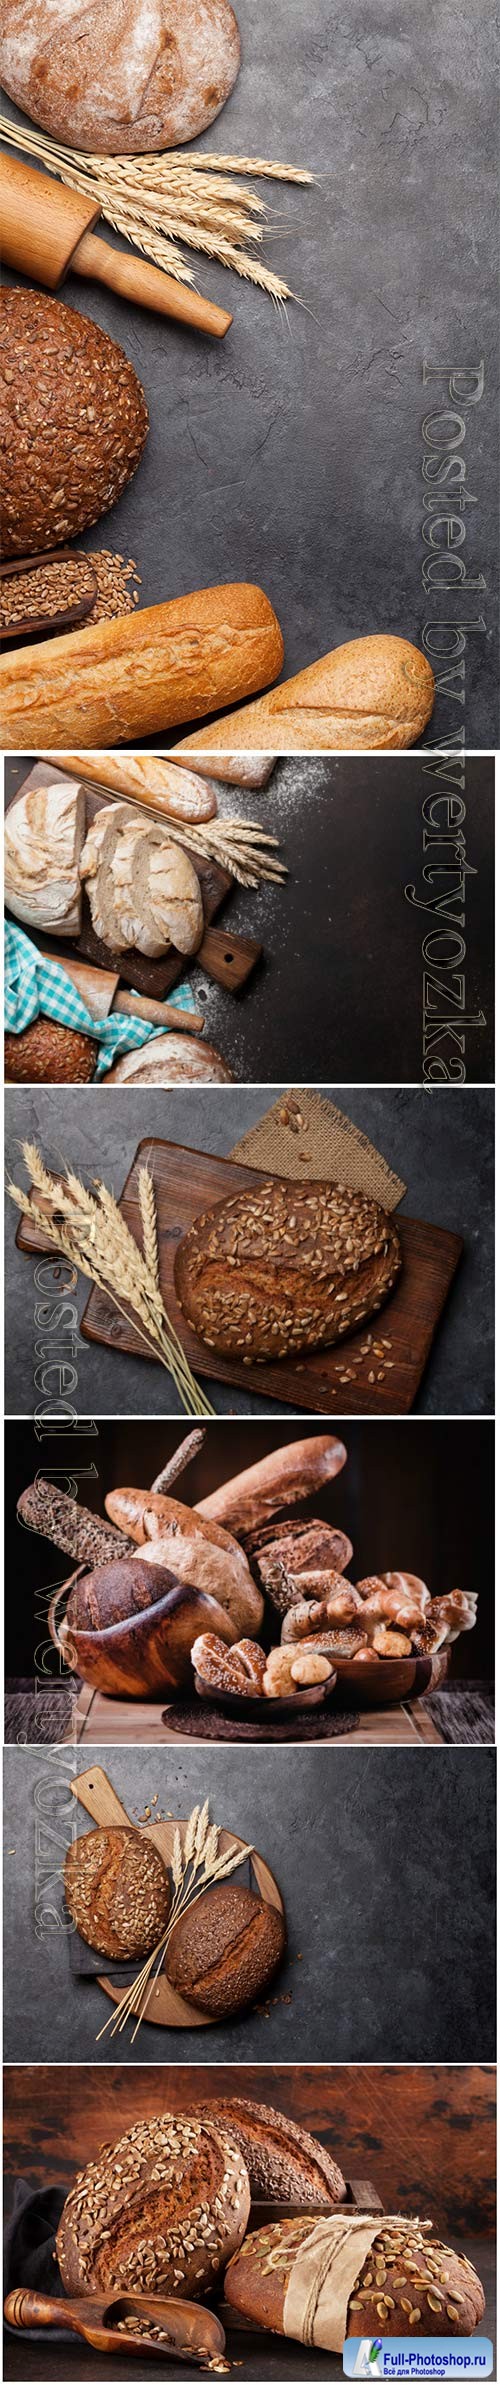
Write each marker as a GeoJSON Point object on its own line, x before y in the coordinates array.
{"type": "Point", "coordinates": [191, 2333]}
{"type": "Point", "coordinates": [35, 624]}
{"type": "Point", "coordinates": [46, 232]}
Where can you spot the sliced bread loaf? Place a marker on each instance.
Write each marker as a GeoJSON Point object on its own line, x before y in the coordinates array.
{"type": "Point", "coordinates": [96, 869]}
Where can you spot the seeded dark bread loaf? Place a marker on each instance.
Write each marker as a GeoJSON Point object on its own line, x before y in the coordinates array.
{"type": "Point", "coordinates": [48, 1054]}
{"type": "Point", "coordinates": [88, 1538]}
{"type": "Point", "coordinates": [222, 1953]}
{"type": "Point", "coordinates": [284, 2163]}
{"type": "Point", "coordinates": [113, 1592]}
{"type": "Point", "coordinates": [406, 2281]}
{"type": "Point", "coordinates": [286, 1551]}
{"type": "Point", "coordinates": [285, 1268]}
{"type": "Point", "coordinates": [74, 442]}
{"type": "Point", "coordinates": [159, 2212]}
{"type": "Point", "coordinates": [136, 76]}
{"type": "Point", "coordinates": [117, 1891]}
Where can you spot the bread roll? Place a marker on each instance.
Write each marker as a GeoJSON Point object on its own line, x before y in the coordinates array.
{"type": "Point", "coordinates": [47, 1054]}
{"type": "Point", "coordinates": [375, 692]}
{"type": "Point", "coordinates": [117, 1891]}
{"type": "Point", "coordinates": [224, 1951]}
{"type": "Point", "coordinates": [117, 680]}
{"type": "Point", "coordinates": [284, 2163]}
{"type": "Point", "coordinates": [136, 76]}
{"type": "Point", "coordinates": [284, 1553]}
{"type": "Point", "coordinates": [70, 442]}
{"type": "Point", "coordinates": [173, 1059]}
{"type": "Point", "coordinates": [279, 1480]}
{"type": "Point", "coordinates": [44, 833]}
{"type": "Point", "coordinates": [240, 1669]}
{"type": "Point", "coordinates": [157, 2213]}
{"type": "Point", "coordinates": [147, 779]}
{"type": "Point", "coordinates": [406, 2283]}
{"type": "Point", "coordinates": [285, 1268]}
{"type": "Point", "coordinates": [235, 770]}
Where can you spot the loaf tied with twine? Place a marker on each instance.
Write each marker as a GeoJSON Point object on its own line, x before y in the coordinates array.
{"type": "Point", "coordinates": [324, 2275]}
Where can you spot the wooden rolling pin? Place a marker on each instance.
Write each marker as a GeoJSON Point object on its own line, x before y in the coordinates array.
{"type": "Point", "coordinates": [149, 779]}
{"type": "Point", "coordinates": [46, 231]}
{"type": "Point", "coordinates": [98, 988]}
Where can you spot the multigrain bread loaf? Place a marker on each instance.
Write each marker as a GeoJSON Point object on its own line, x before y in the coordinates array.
{"type": "Point", "coordinates": [284, 2163]}
{"type": "Point", "coordinates": [140, 75]}
{"type": "Point", "coordinates": [117, 1891]}
{"type": "Point", "coordinates": [117, 680]}
{"type": "Point", "coordinates": [159, 2212]}
{"type": "Point", "coordinates": [44, 833]}
{"type": "Point", "coordinates": [198, 1551]}
{"type": "Point", "coordinates": [224, 1951]}
{"type": "Point", "coordinates": [375, 692]}
{"type": "Point", "coordinates": [88, 1539]}
{"type": "Point", "coordinates": [73, 440]}
{"type": "Point", "coordinates": [285, 1268]}
{"type": "Point", "coordinates": [407, 2281]}
{"type": "Point", "coordinates": [171, 1060]}
{"type": "Point", "coordinates": [47, 1054]}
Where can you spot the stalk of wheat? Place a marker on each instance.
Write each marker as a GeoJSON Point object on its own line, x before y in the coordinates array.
{"type": "Point", "coordinates": [158, 201]}
{"type": "Point", "coordinates": [90, 1230]}
{"type": "Point", "coordinates": [195, 1867]}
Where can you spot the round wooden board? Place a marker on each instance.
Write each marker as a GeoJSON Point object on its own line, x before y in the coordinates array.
{"type": "Point", "coordinates": [165, 2008]}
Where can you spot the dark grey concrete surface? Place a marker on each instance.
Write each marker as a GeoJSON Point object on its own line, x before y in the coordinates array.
{"type": "Point", "coordinates": [370, 1893]}
{"type": "Point", "coordinates": [292, 454]}
{"type": "Point", "coordinates": [440, 1142]}
{"type": "Point", "coordinates": [341, 981]}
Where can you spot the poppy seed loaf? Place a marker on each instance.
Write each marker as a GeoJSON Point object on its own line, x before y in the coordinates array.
{"type": "Point", "coordinates": [285, 1268]}
{"type": "Point", "coordinates": [73, 422]}
{"type": "Point", "coordinates": [117, 1891]}
{"type": "Point", "coordinates": [160, 2212]}
{"type": "Point", "coordinates": [284, 2163]}
{"type": "Point", "coordinates": [406, 2281]}
{"type": "Point", "coordinates": [223, 1953]}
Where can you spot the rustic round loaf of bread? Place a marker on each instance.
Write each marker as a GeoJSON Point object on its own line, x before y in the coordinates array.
{"type": "Point", "coordinates": [408, 2281]}
{"type": "Point", "coordinates": [48, 1054]}
{"type": "Point", "coordinates": [223, 1952]}
{"type": "Point", "coordinates": [117, 1891]}
{"type": "Point", "coordinates": [110, 1593]}
{"type": "Point", "coordinates": [171, 1060]}
{"type": "Point", "coordinates": [284, 2163]}
{"type": "Point", "coordinates": [136, 75]}
{"type": "Point", "coordinates": [285, 1268]}
{"type": "Point", "coordinates": [73, 440]}
{"type": "Point", "coordinates": [160, 2212]}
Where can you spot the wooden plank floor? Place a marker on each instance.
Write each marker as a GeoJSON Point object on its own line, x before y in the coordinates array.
{"type": "Point", "coordinates": [105, 1722]}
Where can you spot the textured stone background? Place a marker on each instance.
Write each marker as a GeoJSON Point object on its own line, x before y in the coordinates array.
{"type": "Point", "coordinates": [292, 454]}
{"type": "Point", "coordinates": [439, 1142]}
{"type": "Point", "coordinates": [364, 1889]}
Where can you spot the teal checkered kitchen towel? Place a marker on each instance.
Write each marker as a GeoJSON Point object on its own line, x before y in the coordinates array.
{"type": "Point", "coordinates": [33, 984]}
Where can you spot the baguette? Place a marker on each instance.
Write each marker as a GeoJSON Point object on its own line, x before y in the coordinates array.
{"type": "Point", "coordinates": [117, 680]}
{"type": "Point", "coordinates": [146, 779]}
{"type": "Point", "coordinates": [236, 770]}
{"type": "Point", "coordinates": [279, 1480]}
{"type": "Point", "coordinates": [375, 692]}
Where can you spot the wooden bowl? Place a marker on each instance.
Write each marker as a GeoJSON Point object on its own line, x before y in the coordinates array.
{"type": "Point", "coordinates": [389, 1679]}
{"type": "Point", "coordinates": [148, 1654]}
{"type": "Point", "coordinates": [263, 1708]}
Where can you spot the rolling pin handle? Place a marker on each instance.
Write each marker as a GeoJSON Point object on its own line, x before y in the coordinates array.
{"type": "Point", "coordinates": [23, 2308]}
{"type": "Point", "coordinates": [133, 278]}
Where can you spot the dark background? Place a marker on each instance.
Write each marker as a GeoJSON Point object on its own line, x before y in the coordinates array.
{"type": "Point", "coordinates": [413, 1498]}
{"type": "Point", "coordinates": [291, 455]}
{"type": "Point", "coordinates": [341, 984]}
{"type": "Point", "coordinates": [439, 1142]}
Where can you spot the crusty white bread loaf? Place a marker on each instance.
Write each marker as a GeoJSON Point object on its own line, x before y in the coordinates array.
{"type": "Point", "coordinates": [44, 832]}
{"type": "Point", "coordinates": [136, 76]}
{"type": "Point", "coordinates": [374, 692]}
{"type": "Point", "coordinates": [143, 890]}
{"type": "Point", "coordinates": [117, 680]}
{"type": "Point", "coordinates": [279, 1480]}
{"type": "Point", "coordinates": [409, 2281]}
{"type": "Point", "coordinates": [237, 770]}
{"type": "Point", "coordinates": [198, 1552]}
{"type": "Point", "coordinates": [171, 1060]}
{"type": "Point", "coordinates": [146, 778]}
{"type": "Point", "coordinates": [286, 1267]}
{"type": "Point", "coordinates": [157, 2213]}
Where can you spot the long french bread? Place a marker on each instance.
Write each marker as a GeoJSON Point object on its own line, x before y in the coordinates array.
{"type": "Point", "coordinates": [236, 770]}
{"type": "Point", "coordinates": [375, 692]}
{"type": "Point", "coordinates": [117, 680]}
{"type": "Point", "coordinates": [148, 779]}
{"type": "Point", "coordinates": [279, 1480]}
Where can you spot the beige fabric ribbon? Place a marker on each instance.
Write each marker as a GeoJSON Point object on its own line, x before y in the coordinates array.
{"type": "Point", "coordinates": [324, 2275]}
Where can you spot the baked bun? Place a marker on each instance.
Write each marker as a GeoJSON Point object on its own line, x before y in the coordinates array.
{"type": "Point", "coordinates": [284, 1552]}
{"type": "Point", "coordinates": [340, 1605]}
{"type": "Point", "coordinates": [240, 1668]}
{"type": "Point", "coordinates": [110, 1593]}
{"type": "Point", "coordinates": [405, 2283]}
{"type": "Point", "coordinates": [394, 1598]}
{"type": "Point", "coordinates": [160, 2212]}
{"type": "Point", "coordinates": [117, 1891]}
{"type": "Point", "coordinates": [284, 1268]}
{"type": "Point", "coordinates": [284, 2163]}
{"type": "Point", "coordinates": [223, 1952]}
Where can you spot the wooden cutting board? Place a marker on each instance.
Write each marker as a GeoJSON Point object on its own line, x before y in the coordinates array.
{"type": "Point", "coordinates": [188, 1182]}
{"type": "Point", "coordinates": [228, 959]}
{"type": "Point", "coordinates": [95, 1792]}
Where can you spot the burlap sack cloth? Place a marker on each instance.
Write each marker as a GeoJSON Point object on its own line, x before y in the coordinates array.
{"type": "Point", "coordinates": [305, 1136]}
{"type": "Point", "coordinates": [324, 2275]}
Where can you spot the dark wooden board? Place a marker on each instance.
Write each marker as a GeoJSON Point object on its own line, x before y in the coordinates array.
{"type": "Point", "coordinates": [145, 976]}
{"type": "Point", "coordinates": [188, 1182]}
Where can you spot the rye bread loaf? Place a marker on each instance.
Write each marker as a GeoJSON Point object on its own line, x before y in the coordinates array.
{"type": "Point", "coordinates": [48, 1054]}
{"type": "Point", "coordinates": [44, 833]}
{"type": "Point", "coordinates": [284, 2163]}
{"type": "Point", "coordinates": [118, 680]}
{"type": "Point", "coordinates": [171, 1060]}
{"type": "Point", "coordinates": [375, 692]}
{"type": "Point", "coordinates": [117, 1891]}
{"type": "Point", "coordinates": [409, 2281]}
{"type": "Point", "coordinates": [113, 1592]}
{"type": "Point", "coordinates": [136, 76]}
{"type": "Point", "coordinates": [88, 1538]}
{"type": "Point", "coordinates": [198, 1552]}
{"type": "Point", "coordinates": [160, 2212]}
{"type": "Point", "coordinates": [74, 442]}
{"type": "Point", "coordinates": [224, 1951]}
{"type": "Point", "coordinates": [286, 1552]}
{"type": "Point", "coordinates": [285, 1268]}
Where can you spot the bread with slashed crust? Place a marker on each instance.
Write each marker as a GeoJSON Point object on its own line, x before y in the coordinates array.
{"type": "Point", "coordinates": [160, 2212]}
{"type": "Point", "coordinates": [284, 2163]}
{"type": "Point", "coordinates": [285, 1268]}
{"type": "Point", "coordinates": [117, 1891]}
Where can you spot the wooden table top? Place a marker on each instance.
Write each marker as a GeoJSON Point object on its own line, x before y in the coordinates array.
{"type": "Point", "coordinates": [101, 1720]}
